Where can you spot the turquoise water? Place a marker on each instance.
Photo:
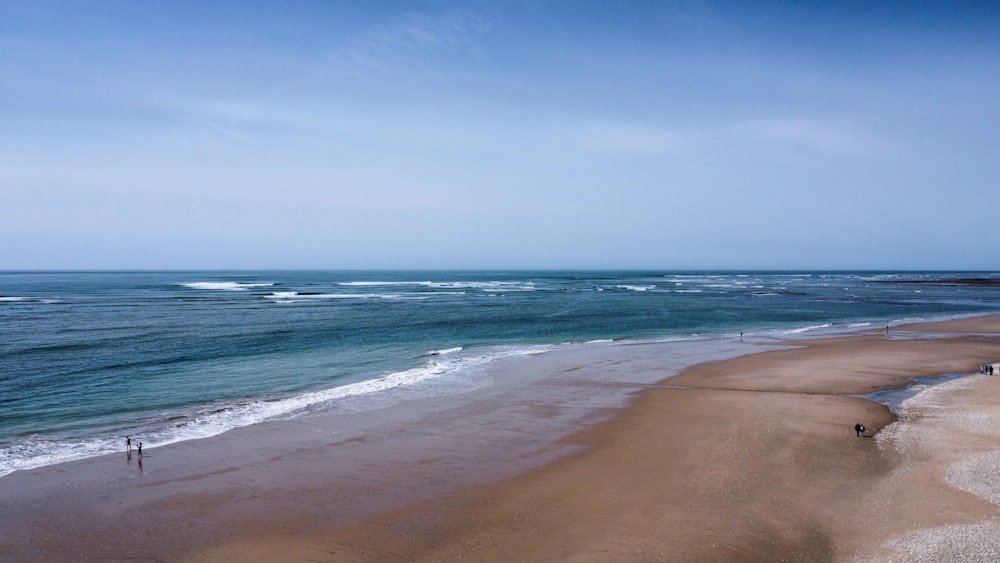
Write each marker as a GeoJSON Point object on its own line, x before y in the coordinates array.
{"type": "Point", "coordinates": [88, 357]}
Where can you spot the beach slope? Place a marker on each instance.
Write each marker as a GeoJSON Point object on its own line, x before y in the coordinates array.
{"type": "Point", "coordinates": [746, 459]}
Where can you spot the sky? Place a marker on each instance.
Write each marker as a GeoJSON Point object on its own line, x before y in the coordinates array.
{"type": "Point", "coordinates": [499, 135]}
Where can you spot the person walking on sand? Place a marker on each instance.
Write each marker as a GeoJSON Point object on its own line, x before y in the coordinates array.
{"type": "Point", "coordinates": [859, 428]}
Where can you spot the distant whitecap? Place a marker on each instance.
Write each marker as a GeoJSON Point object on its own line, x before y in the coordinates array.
{"type": "Point", "coordinates": [225, 286]}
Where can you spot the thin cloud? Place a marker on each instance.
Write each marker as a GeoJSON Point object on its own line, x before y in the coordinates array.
{"type": "Point", "coordinates": [620, 137]}
{"type": "Point", "coordinates": [416, 36]}
{"type": "Point", "coordinates": [834, 137]}
{"type": "Point", "coordinates": [448, 32]}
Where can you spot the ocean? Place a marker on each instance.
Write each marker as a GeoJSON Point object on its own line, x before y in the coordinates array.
{"type": "Point", "coordinates": [87, 358]}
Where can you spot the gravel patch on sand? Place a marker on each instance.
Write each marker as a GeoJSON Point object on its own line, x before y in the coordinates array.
{"type": "Point", "coordinates": [927, 418]}
{"type": "Point", "coordinates": [948, 544]}
{"type": "Point", "coordinates": [950, 424]}
{"type": "Point", "coordinates": [978, 475]}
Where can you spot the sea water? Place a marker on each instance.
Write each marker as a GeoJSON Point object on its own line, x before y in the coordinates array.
{"type": "Point", "coordinates": [87, 358]}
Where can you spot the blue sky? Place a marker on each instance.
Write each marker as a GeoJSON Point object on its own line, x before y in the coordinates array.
{"type": "Point", "coordinates": [673, 135]}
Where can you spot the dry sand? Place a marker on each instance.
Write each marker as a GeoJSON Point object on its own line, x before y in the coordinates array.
{"type": "Point", "coordinates": [748, 459]}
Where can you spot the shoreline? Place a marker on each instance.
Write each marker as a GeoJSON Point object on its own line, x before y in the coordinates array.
{"type": "Point", "coordinates": [395, 386]}
{"type": "Point", "coordinates": [294, 490]}
{"type": "Point", "coordinates": [805, 491]}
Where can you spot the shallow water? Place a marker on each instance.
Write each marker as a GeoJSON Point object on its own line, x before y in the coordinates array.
{"type": "Point", "coordinates": [892, 398]}
{"type": "Point", "coordinates": [89, 357]}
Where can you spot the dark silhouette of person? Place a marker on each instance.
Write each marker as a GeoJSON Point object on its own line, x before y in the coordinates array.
{"type": "Point", "coordinates": [128, 443]}
{"type": "Point", "coordinates": [140, 450]}
{"type": "Point", "coordinates": [859, 428]}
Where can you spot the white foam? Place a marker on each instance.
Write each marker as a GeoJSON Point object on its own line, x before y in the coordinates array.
{"type": "Point", "coordinates": [30, 453]}
{"type": "Point", "coordinates": [300, 296]}
{"type": "Point", "coordinates": [22, 299]}
{"type": "Point", "coordinates": [637, 287]}
{"type": "Point", "coordinates": [378, 283]}
{"type": "Point", "coordinates": [225, 286]}
{"type": "Point", "coordinates": [258, 411]}
{"type": "Point", "coordinates": [214, 419]}
{"type": "Point", "coordinates": [485, 285]}
{"type": "Point", "coordinates": [295, 297]}
{"type": "Point", "coordinates": [805, 329]}
{"type": "Point", "coordinates": [482, 285]}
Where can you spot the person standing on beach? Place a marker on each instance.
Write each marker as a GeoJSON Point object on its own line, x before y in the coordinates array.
{"type": "Point", "coordinates": [859, 428]}
{"type": "Point", "coordinates": [140, 450]}
{"type": "Point", "coordinates": [128, 443]}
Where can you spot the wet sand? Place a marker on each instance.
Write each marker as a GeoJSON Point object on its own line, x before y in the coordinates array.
{"type": "Point", "coordinates": [753, 457]}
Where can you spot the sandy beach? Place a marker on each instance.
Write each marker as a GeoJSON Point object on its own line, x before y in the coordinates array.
{"type": "Point", "coordinates": [747, 456]}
